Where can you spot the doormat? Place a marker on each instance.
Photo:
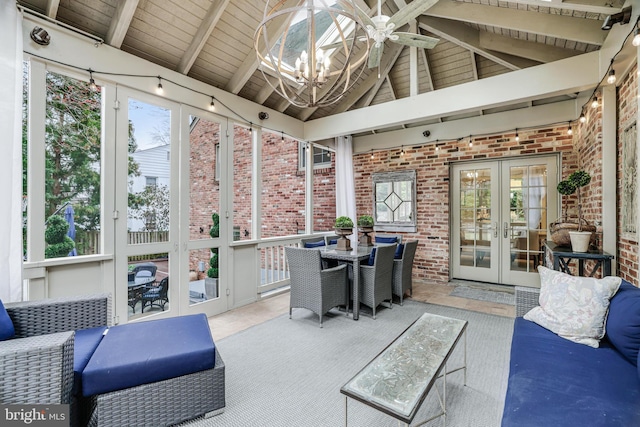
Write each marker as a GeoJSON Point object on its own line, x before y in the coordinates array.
{"type": "Point", "coordinates": [484, 295]}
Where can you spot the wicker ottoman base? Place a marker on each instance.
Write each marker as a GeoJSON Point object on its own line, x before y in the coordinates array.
{"type": "Point", "coordinates": [162, 403]}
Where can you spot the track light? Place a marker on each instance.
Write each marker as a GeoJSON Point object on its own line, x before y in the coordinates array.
{"type": "Point", "coordinates": [622, 17]}
{"type": "Point", "coordinates": [612, 77]}
{"type": "Point", "coordinates": [636, 38]}
{"type": "Point", "coordinates": [159, 89]}
{"type": "Point", "coordinates": [92, 83]}
{"type": "Point", "coordinates": [582, 118]}
{"type": "Point", "coordinates": [212, 106]}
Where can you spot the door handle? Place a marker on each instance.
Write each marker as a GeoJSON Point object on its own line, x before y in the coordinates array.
{"type": "Point", "coordinates": [495, 229]}
{"type": "Point", "coordinates": [506, 230]}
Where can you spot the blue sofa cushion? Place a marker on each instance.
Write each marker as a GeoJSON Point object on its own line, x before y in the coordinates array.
{"type": "Point", "coordinates": [333, 241]}
{"type": "Point", "coordinates": [314, 244]}
{"type": "Point", "coordinates": [372, 257]}
{"type": "Point", "coordinates": [399, 251]}
{"type": "Point", "coordinates": [84, 344]}
{"type": "Point", "coordinates": [7, 331]}
{"type": "Point", "coordinates": [623, 322]}
{"type": "Point", "coordinates": [386, 239]}
{"type": "Point", "coordinates": [146, 352]}
{"type": "Point", "coordinates": [556, 382]}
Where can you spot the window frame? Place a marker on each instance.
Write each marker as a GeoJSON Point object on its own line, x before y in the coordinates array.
{"type": "Point", "coordinates": [391, 177]}
{"type": "Point", "coordinates": [302, 156]}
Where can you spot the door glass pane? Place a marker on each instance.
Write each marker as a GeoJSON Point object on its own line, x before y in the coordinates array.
{"type": "Point", "coordinates": [324, 191]}
{"type": "Point", "coordinates": [204, 275]}
{"type": "Point", "coordinates": [149, 159]}
{"type": "Point", "coordinates": [528, 216]}
{"type": "Point", "coordinates": [204, 179]}
{"type": "Point", "coordinates": [242, 166]}
{"type": "Point", "coordinates": [148, 284]}
{"type": "Point", "coordinates": [475, 218]}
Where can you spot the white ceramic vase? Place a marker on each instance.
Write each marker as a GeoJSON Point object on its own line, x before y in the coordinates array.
{"type": "Point", "coordinates": [580, 240]}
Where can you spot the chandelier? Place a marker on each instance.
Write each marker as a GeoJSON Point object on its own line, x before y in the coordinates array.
{"type": "Point", "coordinates": [299, 60]}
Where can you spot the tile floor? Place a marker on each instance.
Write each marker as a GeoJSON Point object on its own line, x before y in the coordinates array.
{"type": "Point", "coordinates": [241, 318]}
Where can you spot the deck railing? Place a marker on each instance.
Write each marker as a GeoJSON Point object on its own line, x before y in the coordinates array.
{"type": "Point", "coordinates": [274, 271]}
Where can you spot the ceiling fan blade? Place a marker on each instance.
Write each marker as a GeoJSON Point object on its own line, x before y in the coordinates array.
{"type": "Point", "coordinates": [374, 55]}
{"type": "Point", "coordinates": [411, 11]}
{"type": "Point", "coordinates": [366, 20]}
{"type": "Point", "coordinates": [417, 40]}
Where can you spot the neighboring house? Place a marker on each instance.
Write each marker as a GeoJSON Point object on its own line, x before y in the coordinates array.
{"type": "Point", "coordinates": [154, 165]}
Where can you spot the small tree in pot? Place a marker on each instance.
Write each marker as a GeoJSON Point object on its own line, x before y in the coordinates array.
{"type": "Point", "coordinates": [564, 231]}
{"type": "Point", "coordinates": [365, 222]}
{"type": "Point", "coordinates": [211, 282]}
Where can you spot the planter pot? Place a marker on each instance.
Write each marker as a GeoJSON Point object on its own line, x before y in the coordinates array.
{"type": "Point", "coordinates": [559, 231]}
{"type": "Point", "coordinates": [344, 244]}
{"type": "Point", "coordinates": [211, 287]}
{"type": "Point", "coordinates": [365, 239]}
{"type": "Point", "coordinates": [580, 240]}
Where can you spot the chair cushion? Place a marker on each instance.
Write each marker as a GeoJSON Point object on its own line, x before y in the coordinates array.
{"type": "Point", "coordinates": [84, 344]}
{"type": "Point", "coordinates": [146, 352]}
{"type": "Point", "coordinates": [372, 257]}
{"type": "Point", "coordinates": [573, 307]}
{"type": "Point", "coordinates": [386, 239]}
{"type": "Point", "coordinates": [7, 331]}
{"type": "Point", "coordinates": [333, 241]}
{"type": "Point", "coordinates": [314, 244]}
{"type": "Point", "coordinates": [399, 251]}
{"type": "Point", "coordinates": [623, 322]}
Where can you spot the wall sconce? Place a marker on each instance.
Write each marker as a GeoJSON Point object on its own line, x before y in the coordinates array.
{"type": "Point", "coordinates": [40, 36]}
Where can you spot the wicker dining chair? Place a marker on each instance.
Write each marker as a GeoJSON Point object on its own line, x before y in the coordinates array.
{"type": "Point", "coordinates": [388, 238]}
{"type": "Point", "coordinates": [313, 287]}
{"type": "Point", "coordinates": [402, 268]}
{"type": "Point", "coordinates": [375, 280]}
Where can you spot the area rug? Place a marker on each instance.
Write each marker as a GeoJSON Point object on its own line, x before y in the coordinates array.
{"type": "Point", "coordinates": [288, 372]}
{"type": "Point", "coordinates": [484, 295]}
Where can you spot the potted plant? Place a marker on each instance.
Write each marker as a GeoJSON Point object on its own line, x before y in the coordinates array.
{"type": "Point", "coordinates": [55, 235]}
{"type": "Point", "coordinates": [365, 222]}
{"type": "Point", "coordinates": [211, 281]}
{"type": "Point", "coordinates": [565, 230]}
{"type": "Point", "coordinates": [344, 227]}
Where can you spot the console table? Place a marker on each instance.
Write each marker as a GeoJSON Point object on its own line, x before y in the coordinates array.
{"type": "Point", "coordinates": [560, 257]}
{"type": "Point", "coordinates": [397, 381]}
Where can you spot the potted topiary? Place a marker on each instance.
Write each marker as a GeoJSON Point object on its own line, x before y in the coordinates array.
{"type": "Point", "coordinates": [211, 281]}
{"type": "Point", "coordinates": [365, 222]}
{"type": "Point", "coordinates": [58, 243]}
{"type": "Point", "coordinates": [343, 227]}
{"type": "Point", "coordinates": [569, 231]}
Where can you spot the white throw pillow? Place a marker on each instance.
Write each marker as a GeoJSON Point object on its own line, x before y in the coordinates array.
{"type": "Point", "coordinates": [574, 307]}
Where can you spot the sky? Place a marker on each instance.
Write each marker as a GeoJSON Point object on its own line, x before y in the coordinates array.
{"type": "Point", "coordinates": [148, 120]}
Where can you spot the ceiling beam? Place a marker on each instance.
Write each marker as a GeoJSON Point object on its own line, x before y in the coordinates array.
{"type": "Point", "coordinates": [549, 25]}
{"type": "Point", "coordinates": [468, 38]}
{"type": "Point", "coordinates": [525, 49]}
{"type": "Point", "coordinates": [570, 75]}
{"type": "Point", "coordinates": [427, 68]}
{"type": "Point", "coordinates": [51, 9]}
{"type": "Point", "coordinates": [209, 22]}
{"type": "Point", "coordinates": [120, 22]}
{"type": "Point", "coordinates": [590, 6]}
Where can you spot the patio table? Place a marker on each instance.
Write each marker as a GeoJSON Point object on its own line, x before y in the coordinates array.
{"type": "Point", "coordinates": [358, 253]}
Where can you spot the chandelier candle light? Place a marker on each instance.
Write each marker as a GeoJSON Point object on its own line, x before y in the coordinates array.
{"type": "Point", "coordinates": [300, 56]}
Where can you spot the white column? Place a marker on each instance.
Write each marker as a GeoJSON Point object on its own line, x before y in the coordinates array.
{"type": "Point", "coordinates": [609, 153]}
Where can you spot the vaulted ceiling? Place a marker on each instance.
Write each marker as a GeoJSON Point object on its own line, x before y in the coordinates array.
{"type": "Point", "coordinates": [212, 41]}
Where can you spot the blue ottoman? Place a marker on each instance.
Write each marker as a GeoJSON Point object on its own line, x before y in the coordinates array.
{"type": "Point", "coordinates": [154, 373]}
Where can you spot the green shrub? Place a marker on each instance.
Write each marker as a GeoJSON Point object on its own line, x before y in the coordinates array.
{"type": "Point", "coordinates": [55, 235]}
{"type": "Point", "coordinates": [344, 222]}
{"type": "Point", "coordinates": [213, 270]}
{"type": "Point", "coordinates": [365, 221]}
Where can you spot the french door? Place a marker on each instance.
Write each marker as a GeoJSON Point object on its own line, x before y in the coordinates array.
{"type": "Point", "coordinates": [500, 217]}
{"type": "Point", "coordinates": [165, 199]}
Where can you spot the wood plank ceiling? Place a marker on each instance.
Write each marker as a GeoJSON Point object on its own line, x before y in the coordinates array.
{"type": "Point", "coordinates": [212, 41]}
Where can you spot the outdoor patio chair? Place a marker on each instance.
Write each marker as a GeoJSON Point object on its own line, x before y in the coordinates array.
{"type": "Point", "coordinates": [402, 268]}
{"type": "Point", "coordinates": [313, 287]}
{"type": "Point", "coordinates": [312, 242]}
{"type": "Point", "coordinates": [331, 239]}
{"type": "Point", "coordinates": [156, 295]}
{"type": "Point", "coordinates": [376, 279]}
{"type": "Point", "coordinates": [147, 266]}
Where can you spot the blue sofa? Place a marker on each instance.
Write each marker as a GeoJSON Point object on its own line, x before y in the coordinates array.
{"type": "Point", "coordinates": [556, 382]}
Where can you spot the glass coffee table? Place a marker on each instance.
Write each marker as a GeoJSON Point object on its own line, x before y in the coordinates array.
{"type": "Point", "coordinates": [397, 380]}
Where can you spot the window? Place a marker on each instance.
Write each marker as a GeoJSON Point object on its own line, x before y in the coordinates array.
{"type": "Point", "coordinates": [216, 173]}
{"type": "Point", "coordinates": [151, 181]}
{"type": "Point", "coordinates": [394, 204]}
{"type": "Point", "coordinates": [321, 156]}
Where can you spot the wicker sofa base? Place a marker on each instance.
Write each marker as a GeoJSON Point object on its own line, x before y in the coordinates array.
{"type": "Point", "coordinates": [161, 403]}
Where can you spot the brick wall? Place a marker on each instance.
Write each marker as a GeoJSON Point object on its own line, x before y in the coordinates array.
{"type": "Point", "coordinates": [431, 163]}
{"type": "Point", "coordinates": [627, 253]}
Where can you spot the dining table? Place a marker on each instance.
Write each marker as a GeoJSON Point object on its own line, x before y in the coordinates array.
{"type": "Point", "coordinates": [357, 254]}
